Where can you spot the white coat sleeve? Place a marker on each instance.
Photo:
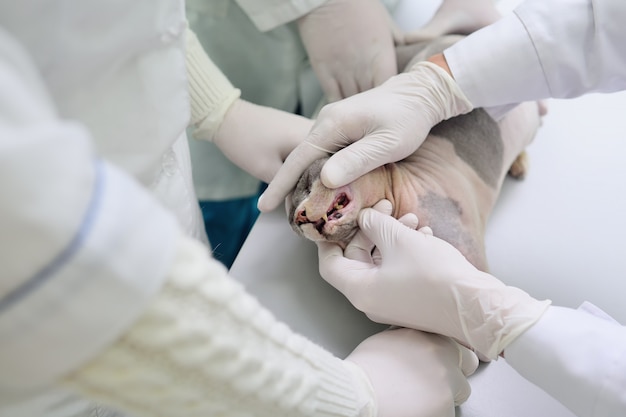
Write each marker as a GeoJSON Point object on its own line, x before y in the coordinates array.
{"type": "Point", "coordinates": [545, 48]}
{"type": "Point", "coordinates": [269, 14]}
{"type": "Point", "coordinates": [84, 246]}
{"type": "Point", "coordinates": [577, 358]}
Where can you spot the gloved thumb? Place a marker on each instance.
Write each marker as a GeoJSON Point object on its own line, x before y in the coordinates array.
{"type": "Point", "coordinates": [342, 273]}
{"type": "Point", "coordinates": [468, 363]}
{"type": "Point", "coordinates": [469, 360]}
{"type": "Point", "coordinates": [361, 157]}
{"type": "Point", "coordinates": [360, 247]}
{"type": "Point", "coordinates": [383, 230]}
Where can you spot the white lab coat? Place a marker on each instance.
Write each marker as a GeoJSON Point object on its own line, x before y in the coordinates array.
{"type": "Point", "coordinates": [93, 111]}
{"type": "Point", "coordinates": [553, 48]}
{"type": "Point", "coordinates": [545, 48]}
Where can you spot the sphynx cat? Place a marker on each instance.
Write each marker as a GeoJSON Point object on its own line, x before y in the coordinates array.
{"type": "Point", "coordinates": [451, 182]}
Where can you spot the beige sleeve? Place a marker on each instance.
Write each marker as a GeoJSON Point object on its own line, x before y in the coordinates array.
{"type": "Point", "coordinates": [211, 94]}
{"type": "Point", "coordinates": [205, 347]}
{"type": "Point", "coordinates": [269, 14]}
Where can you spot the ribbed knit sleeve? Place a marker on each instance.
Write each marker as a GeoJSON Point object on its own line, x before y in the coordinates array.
{"type": "Point", "coordinates": [204, 347]}
{"type": "Point", "coordinates": [211, 93]}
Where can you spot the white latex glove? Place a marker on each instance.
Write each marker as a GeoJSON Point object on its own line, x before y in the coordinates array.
{"type": "Point", "coordinates": [415, 374]}
{"type": "Point", "coordinates": [370, 129]}
{"type": "Point", "coordinates": [350, 44]}
{"type": "Point", "coordinates": [416, 280]}
{"type": "Point", "coordinates": [458, 17]}
{"type": "Point", "coordinates": [258, 138]}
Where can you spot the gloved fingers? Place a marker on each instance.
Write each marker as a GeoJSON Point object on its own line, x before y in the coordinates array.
{"type": "Point", "coordinates": [481, 357]}
{"type": "Point", "coordinates": [325, 137]}
{"type": "Point", "coordinates": [462, 392]}
{"type": "Point", "coordinates": [383, 206]}
{"type": "Point", "coordinates": [426, 230]}
{"type": "Point", "coordinates": [385, 67]}
{"type": "Point", "coordinates": [431, 380]}
{"type": "Point", "coordinates": [258, 138]}
{"type": "Point", "coordinates": [330, 86]}
{"type": "Point", "coordinates": [249, 163]}
{"type": "Point", "coordinates": [350, 84]}
{"type": "Point", "coordinates": [460, 17]}
{"type": "Point", "coordinates": [361, 157]}
{"type": "Point", "coordinates": [396, 33]}
{"type": "Point", "coordinates": [328, 251]}
{"type": "Point", "coordinates": [383, 73]}
{"type": "Point", "coordinates": [377, 257]}
{"type": "Point", "coordinates": [422, 34]}
{"type": "Point", "coordinates": [468, 361]}
{"type": "Point", "coordinates": [410, 220]}
{"type": "Point", "coordinates": [467, 364]}
{"type": "Point", "coordinates": [346, 275]}
{"type": "Point", "coordinates": [360, 247]}
{"type": "Point", "coordinates": [381, 229]}
{"type": "Point", "coordinates": [288, 174]}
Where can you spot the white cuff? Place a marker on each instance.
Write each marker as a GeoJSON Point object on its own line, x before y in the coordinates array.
{"type": "Point", "coordinates": [94, 289]}
{"type": "Point", "coordinates": [211, 94]}
{"type": "Point", "coordinates": [577, 358]}
{"type": "Point", "coordinates": [476, 63]}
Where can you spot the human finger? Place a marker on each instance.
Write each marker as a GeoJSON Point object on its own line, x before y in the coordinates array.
{"type": "Point", "coordinates": [409, 220]}
{"type": "Point", "coordinates": [348, 85]}
{"type": "Point", "coordinates": [288, 175]}
{"type": "Point", "coordinates": [426, 230]}
{"type": "Point", "coordinates": [339, 271]}
{"type": "Point", "coordinates": [361, 157]}
{"type": "Point", "coordinates": [360, 247]}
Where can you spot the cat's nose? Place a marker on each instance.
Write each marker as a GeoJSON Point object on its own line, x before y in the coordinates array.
{"type": "Point", "coordinates": [301, 217]}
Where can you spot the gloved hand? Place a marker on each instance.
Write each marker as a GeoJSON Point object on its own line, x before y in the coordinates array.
{"type": "Point", "coordinates": [456, 16]}
{"type": "Point", "coordinates": [414, 373]}
{"type": "Point", "coordinates": [350, 44]}
{"type": "Point", "coordinates": [255, 138]}
{"type": "Point", "coordinates": [382, 125]}
{"type": "Point", "coordinates": [258, 138]}
{"type": "Point", "coordinates": [416, 280]}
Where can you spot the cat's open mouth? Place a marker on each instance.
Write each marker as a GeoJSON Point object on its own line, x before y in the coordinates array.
{"type": "Point", "coordinates": [333, 213]}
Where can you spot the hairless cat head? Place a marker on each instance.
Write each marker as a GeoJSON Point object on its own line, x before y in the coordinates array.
{"type": "Point", "coordinates": [320, 213]}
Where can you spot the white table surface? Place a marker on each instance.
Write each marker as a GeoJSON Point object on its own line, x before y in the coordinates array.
{"type": "Point", "coordinates": [558, 234]}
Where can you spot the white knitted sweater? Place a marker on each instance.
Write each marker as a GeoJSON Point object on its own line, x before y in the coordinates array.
{"type": "Point", "coordinates": [204, 347]}
{"type": "Point", "coordinates": [210, 93]}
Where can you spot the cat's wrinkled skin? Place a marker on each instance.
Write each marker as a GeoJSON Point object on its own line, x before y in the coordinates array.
{"type": "Point", "coordinates": [451, 182]}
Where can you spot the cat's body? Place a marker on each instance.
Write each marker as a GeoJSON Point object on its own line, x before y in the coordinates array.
{"type": "Point", "coordinates": [451, 182]}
